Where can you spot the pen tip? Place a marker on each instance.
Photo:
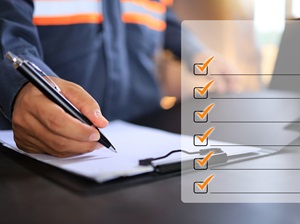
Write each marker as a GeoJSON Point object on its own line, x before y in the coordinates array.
{"type": "Point", "coordinates": [112, 148]}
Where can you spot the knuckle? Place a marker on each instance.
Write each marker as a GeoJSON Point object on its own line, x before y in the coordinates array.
{"type": "Point", "coordinates": [89, 99]}
{"type": "Point", "coordinates": [20, 121]}
{"type": "Point", "coordinates": [24, 147]}
{"type": "Point", "coordinates": [78, 87]}
{"type": "Point", "coordinates": [16, 120]}
{"type": "Point", "coordinates": [53, 122]}
{"type": "Point", "coordinates": [75, 87]}
{"type": "Point", "coordinates": [86, 96]}
{"type": "Point", "coordinates": [60, 145]}
{"type": "Point", "coordinates": [26, 98]}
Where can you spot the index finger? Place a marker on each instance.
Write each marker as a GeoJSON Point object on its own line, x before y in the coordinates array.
{"type": "Point", "coordinates": [56, 120]}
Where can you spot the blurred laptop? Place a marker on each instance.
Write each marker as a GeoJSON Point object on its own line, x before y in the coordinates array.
{"type": "Point", "coordinates": [286, 74]}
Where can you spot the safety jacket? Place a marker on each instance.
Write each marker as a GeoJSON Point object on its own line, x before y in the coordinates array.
{"type": "Point", "coordinates": [106, 46]}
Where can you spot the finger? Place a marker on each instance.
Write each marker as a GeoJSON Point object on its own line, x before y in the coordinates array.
{"type": "Point", "coordinates": [86, 104]}
{"type": "Point", "coordinates": [28, 143]}
{"type": "Point", "coordinates": [62, 147]}
{"type": "Point", "coordinates": [33, 145]}
{"type": "Point", "coordinates": [57, 121]}
{"type": "Point", "coordinates": [28, 140]}
{"type": "Point", "coordinates": [41, 140]}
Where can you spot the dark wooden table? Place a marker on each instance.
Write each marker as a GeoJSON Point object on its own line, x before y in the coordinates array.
{"type": "Point", "coordinates": [31, 192]}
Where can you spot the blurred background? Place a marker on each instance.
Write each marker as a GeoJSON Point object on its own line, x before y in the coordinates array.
{"type": "Point", "coordinates": [256, 44]}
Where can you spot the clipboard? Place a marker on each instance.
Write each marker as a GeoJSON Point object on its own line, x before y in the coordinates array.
{"type": "Point", "coordinates": [128, 159]}
{"type": "Point", "coordinates": [78, 184]}
{"type": "Point", "coordinates": [84, 186]}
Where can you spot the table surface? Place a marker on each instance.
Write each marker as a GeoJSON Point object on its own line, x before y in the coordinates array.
{"type": "Point", "coordinates": [29, 195]}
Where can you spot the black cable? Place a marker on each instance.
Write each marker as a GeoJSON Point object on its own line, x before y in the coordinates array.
{"type": "Point", "coordinates": [148, 161]}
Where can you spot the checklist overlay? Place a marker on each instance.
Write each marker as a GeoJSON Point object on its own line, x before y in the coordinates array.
{"type": "Point", "coordinates": [243, 119]}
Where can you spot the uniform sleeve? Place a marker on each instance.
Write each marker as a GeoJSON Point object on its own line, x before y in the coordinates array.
{"type": "Point", "coordinates": [20, 36]}
{"type": "Point", "coordinates": [173, 39]}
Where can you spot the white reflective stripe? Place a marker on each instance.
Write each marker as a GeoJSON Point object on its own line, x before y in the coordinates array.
{"type": "Point", "coordinates": [129, 7]}
{"type": "Point", "coordinates": [65, 8]}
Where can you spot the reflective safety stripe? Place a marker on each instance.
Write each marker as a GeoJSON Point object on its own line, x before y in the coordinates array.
{"type": "Point", "coordinates": [68, 20]}
{"type": "Point", "coordinates": [167, 2]}
{"type": "Point", "coordinates": [66, 12]}
{"type": "Point", "coordinates": [148, 13]}
{"type": "Point", "coordinates": [156, 7]}
{"type": "Point", "coordinates": [156, 11]}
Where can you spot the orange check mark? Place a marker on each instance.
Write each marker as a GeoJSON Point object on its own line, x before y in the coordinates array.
{"type": "Point", "coordinates": [205, 136]}
{"type": "Point", "coordinates": [204, 66]}
{"type": "Point", "coordinates": [205, 183]}
{"type": "Point", "coordinates": [205, 112]}
{"type": "Point", "coordinates": [205, 159]}
{"type": "Point", "coordinates": [205, 88]}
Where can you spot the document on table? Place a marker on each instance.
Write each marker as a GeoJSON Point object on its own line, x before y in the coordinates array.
{"type": "Point", "coordinates": [133, 143]}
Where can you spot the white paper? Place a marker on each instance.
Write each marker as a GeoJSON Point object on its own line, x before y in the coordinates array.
{"type": "Point", "coordinates": [132, 142]}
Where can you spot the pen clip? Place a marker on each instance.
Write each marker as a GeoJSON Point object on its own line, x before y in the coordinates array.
{"type": "Point", "coordinates": [44, 75]}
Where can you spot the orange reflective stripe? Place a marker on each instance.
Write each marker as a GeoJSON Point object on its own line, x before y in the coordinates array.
{"type": "Point", "coordinates": [152, 6]}
{"type": "Point", "coordinates": [65, 0]}
{"type": "Point", "coordinates": [167, 2]}
{"type": "Point", "coordinates": [143, 19]}
{"type": "Point", "coordinates": [67, 20]}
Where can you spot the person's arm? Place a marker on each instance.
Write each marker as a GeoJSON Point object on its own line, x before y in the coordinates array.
{"type": "Point", "coordinates": [39, 125]}
{"type": "Point", "coordinates": [19, 35]}
{"type": "Point", "coordinates": [173, 39]}
{"type": "Point", "coordinates": [194, 51]}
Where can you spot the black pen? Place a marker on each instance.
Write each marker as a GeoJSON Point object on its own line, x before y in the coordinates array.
{"type": "Point", "coordinates": [38, 78]}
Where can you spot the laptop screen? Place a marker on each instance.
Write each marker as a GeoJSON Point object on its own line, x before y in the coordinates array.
{"type": "Point", "coordinates": [286, 74]}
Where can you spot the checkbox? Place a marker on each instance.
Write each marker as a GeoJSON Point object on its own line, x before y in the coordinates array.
{"type": "Point", "coordinates": [199, 141]}
{"type": "Point", "coordinates": [198, 93]}
{"type": "Point", "coordinates": [198, 71]}
{"type": "Point", "coordinates": [201, 187]}
{"type": "Point", "coordinates": [202, 68]}
{"type": "Point", "coordinates": [202, 92]}
{"type": "Point", "coordinates": [202, 139]}
{"type": "Point", "coordinates": [198, 190]}
{"type": "Point", "coordinates": [198, 166]}
{"type": "Point", "coordinates": [198, 117]}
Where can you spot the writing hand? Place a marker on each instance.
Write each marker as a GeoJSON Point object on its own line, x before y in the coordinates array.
{"type": "Point", "coordinates": [41, 126]}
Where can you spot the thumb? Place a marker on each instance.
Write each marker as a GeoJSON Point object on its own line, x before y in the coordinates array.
{"type": "Point", "coordinates": [85, 103]}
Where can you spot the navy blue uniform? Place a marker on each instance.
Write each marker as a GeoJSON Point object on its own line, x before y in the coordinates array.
{"type": "Point", "coordinates": [108, 47]}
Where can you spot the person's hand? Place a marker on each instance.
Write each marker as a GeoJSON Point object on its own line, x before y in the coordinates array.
{"type": "Point", "coordinates": [41, 126]}
{"type": "Point", "coordinates": [223, 83]}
